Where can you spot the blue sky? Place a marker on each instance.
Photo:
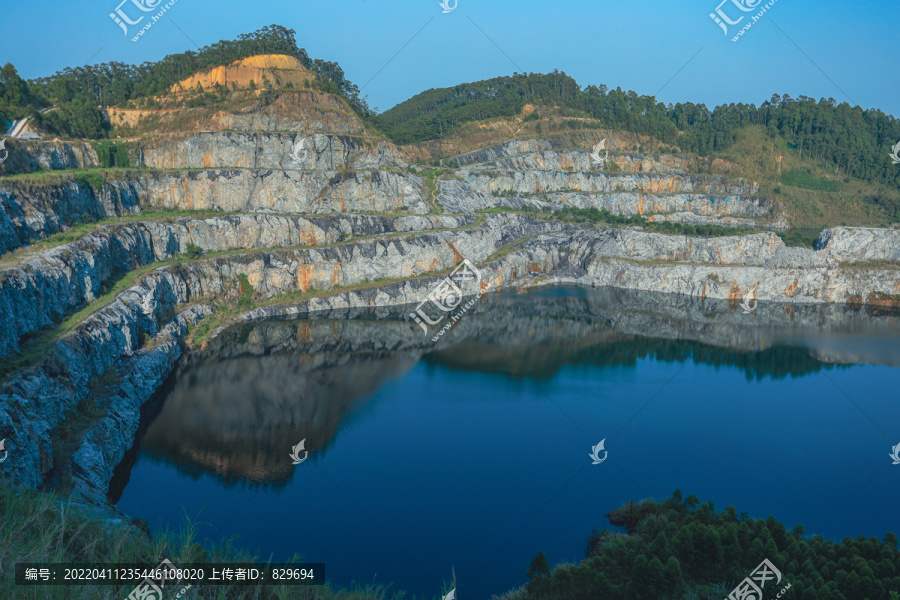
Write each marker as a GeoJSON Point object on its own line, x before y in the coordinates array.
{"type": "Point", "coordinates": [826, 48]}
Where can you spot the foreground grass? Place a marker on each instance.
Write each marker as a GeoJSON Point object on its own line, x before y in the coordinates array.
{"type": "Point", "coordinates": [42, 527]}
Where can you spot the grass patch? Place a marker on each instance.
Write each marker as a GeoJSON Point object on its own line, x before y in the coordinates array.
{"type": "Point", "coordinates": [433, 188]}
{"type": "Point", "coordinates": [43, 527]}
{"type": "Point", "coordinates": [807, 180]}
{"type": "Point", "coordinates": [801, 238]}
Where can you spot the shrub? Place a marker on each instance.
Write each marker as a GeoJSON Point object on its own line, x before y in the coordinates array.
{"type": "Point", "coordinates": [245, 290]}
{"type": "Point", "coordinates": [193, 251]}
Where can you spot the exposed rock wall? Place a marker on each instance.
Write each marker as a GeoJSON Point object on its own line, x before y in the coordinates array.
{"type": "Point", "coordinates": [105, 445]}
{"type": "Point", "coordinates": [542, 182]}
{"type": "Point", "coordinates": [31, 212]}
{"type": "Point", "coordinates": [315, 192]}
{"type": "Point", "coordinates": [225, 150]}
{"type": "Point", "coordinates": [26, 157]}
{"type": "Point", "coordinates": [629, 203]}
{"type": "Point", "coordinates": [568, 160]}
{"type": "Point", "coordinates": [513, 148]}
{"type": "Point", "coordinates": [860, 244]}
{"type": "Point", "coordinates": [43, 289]}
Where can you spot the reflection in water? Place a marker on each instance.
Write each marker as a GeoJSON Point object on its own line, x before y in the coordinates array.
{"type": "Point", "coordinates": [236, 408]}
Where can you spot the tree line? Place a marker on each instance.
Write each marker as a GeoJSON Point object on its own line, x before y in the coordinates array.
{"type": "Point", "coordinates": [78, 91]}
{"type": "Point", "coordinates": [853, 141]}
{"type": "Point", "coordinates": [680, 548]}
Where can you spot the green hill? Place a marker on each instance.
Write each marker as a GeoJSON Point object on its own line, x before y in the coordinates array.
{"type": "Point", "coordinates": [851, 141]}
{"type": "Point", "coordinates": [79, 91]}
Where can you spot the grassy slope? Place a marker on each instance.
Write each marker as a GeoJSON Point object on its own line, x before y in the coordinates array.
{"type": "Point", "coordinates": [42, 527]}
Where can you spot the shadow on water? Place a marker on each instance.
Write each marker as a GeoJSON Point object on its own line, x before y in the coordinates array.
{"type": "Point", "coordinates": [233, 408]}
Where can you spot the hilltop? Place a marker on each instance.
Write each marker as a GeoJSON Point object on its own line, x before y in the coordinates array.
{"type": "Point", "coordinates": [831, 169]}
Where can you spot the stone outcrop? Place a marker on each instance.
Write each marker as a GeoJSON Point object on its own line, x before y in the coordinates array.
{"type": "Point", "coordinates": [543, 182]}
{"type": "Point", "coordinates": [43, 289]}
{"type": "Point", "coordinates": [580, 160]}
{"type": "Point", "coordinates": [104, 445]}
{"type": "Point", "coordinates": [27, 157]}
{"type": "Point", "coordinates": [305, 192]}
{"type": "Point", "coordinates": [860, 244]}
{"type": "Point", "coordinates": [246, 150]}
{"type": "Point", "coordinates": [31, 212]}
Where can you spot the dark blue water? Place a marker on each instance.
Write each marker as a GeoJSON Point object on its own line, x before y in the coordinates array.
{"type": "Point", "coordinates": [475, 456]}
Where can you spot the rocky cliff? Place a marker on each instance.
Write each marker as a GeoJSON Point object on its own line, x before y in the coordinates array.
{"type": "Point", "coordinates": [28, 157]}
{"type": "Point", "coordinates": [326, 217]}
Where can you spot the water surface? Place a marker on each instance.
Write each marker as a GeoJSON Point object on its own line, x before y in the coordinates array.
{"type": "Point", "coordinates": [472, 453]}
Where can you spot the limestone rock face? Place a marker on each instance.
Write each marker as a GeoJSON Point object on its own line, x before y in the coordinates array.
{"type": "Point", "coordinates": [247, 150]}
{"type": "Point", "coordinates": [43, 289]}
{"type": "Point", "coordinates": [579, 160]}
{"type": "Point", "coordinates": [29, 213]}
{"type": "Point", "coordinates": [860, 244]}
{"type": "Point", "coordinates": [307, 192]}
{"type": "Point", "coordinates": [542, 182]}
{"type": "Point", "coordinates": [27, 157]}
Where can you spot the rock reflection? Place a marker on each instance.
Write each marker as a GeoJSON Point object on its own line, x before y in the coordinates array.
{"type": "Point", "coordinates": [236, 408]}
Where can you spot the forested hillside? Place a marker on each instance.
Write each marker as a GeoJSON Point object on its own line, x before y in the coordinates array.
{"type": "Point", "coordinates": [847, 139]}
{"type": "Point", "coordinates": [78, 91]}
{"type": "Point", "coordinates": [853, 141]}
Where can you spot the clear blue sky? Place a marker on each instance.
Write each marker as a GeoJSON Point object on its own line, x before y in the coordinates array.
{"type": "Point", "coordinates": [635, 45]}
